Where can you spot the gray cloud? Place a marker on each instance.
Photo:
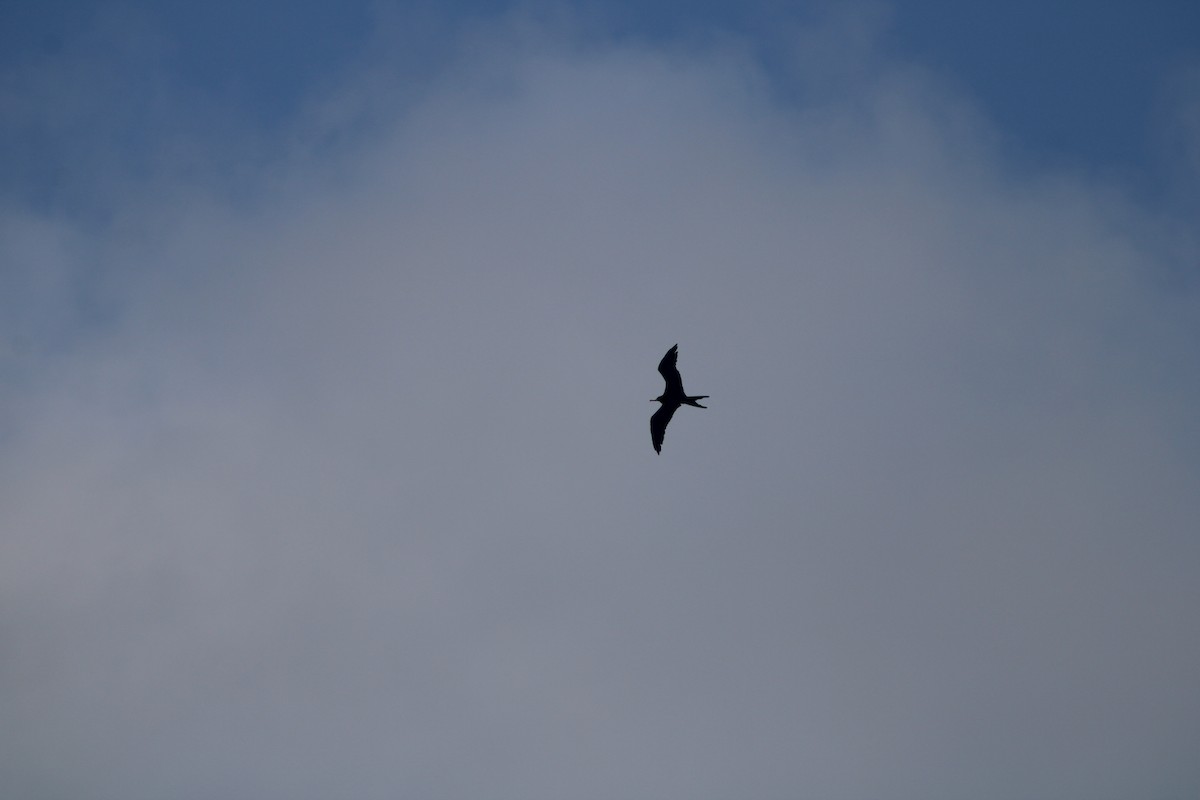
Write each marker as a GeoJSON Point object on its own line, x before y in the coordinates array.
{"type": "Point", "coordinates": [351, 492]}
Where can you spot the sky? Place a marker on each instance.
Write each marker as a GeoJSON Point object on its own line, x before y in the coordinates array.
{"type": "Point", "coordinates": [326, 341]}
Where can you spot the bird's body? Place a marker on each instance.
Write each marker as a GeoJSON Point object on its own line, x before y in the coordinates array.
{"type": "Point", "coordinates": [672, 398]}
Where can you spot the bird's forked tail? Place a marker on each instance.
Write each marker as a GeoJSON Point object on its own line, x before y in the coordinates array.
{"type": "Point", "coordinates": [691, 401]}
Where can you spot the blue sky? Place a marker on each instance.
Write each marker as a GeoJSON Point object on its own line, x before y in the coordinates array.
{"type": "Point", "coordinates": [326, 340]}
{"type": "Point", "coordinates": [1078, 85]}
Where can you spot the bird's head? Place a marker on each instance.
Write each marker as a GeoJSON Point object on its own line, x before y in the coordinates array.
{"type": "Point", "coordinates": [658, 399]}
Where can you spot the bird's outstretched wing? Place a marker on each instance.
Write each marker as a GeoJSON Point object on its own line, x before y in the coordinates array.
{"type": "Point", "coordinates": [658, 425]}
{"type": "Point", "coordinates": [670, 374]}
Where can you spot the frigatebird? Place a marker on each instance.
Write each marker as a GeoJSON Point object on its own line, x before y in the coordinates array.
{"type": "Point", "coordinates": [671, 398]}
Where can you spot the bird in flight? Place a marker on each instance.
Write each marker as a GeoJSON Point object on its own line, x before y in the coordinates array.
{"type": "Point", "coordinates": [671, 398]}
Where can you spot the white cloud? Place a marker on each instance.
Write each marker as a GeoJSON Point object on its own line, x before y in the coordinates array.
{"type": "Point", "coordinates": [356, 495]}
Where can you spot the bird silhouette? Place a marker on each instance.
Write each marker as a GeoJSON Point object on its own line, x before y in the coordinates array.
{"type": "Point", "coordinates": [672, 398]}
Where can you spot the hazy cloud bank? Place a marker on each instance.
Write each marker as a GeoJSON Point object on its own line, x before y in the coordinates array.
{"type": "Point", "coordinates": [343, 485]}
